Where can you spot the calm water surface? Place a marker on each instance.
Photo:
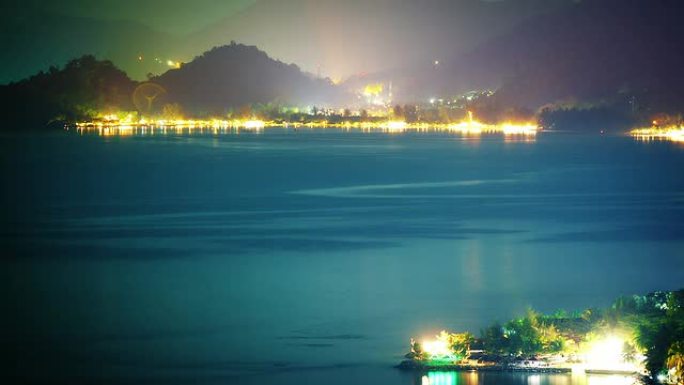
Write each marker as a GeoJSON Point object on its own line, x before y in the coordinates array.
{"type": "Point", "coordinates": [312, 256]}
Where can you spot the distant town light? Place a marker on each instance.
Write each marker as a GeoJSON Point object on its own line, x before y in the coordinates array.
{"type": "Point", "coordinates": [396, 125]}
{"type": "Point", "coordinates": [671, 133]}
{"type": "Point", "coordinates": [254, 124]}
{"type": "Point", "coordinates": [373, 89]}
{"type": "Point", "coordinates": [123, 122]}
{"type": "Point", "coordinates": [519, 129]}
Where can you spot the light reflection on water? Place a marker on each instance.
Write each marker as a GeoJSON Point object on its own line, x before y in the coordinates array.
{"type": "Point", "coordinates": [509, 134]}
{"type": "Point", "coordinates": [439, 378]}
{"type": "Point", "coordinates": [610, 380]}
{"type": "Point", "coordinates": [508, 378]}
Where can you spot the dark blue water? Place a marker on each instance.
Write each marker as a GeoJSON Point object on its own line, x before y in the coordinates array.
{"type": "Point", "coordinates": [313, 256]}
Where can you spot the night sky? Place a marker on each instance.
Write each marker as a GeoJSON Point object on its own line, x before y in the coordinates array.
{"type": "Point", "coordinates": [172, 16]}
{"type": "Point", "coordinates": [325, 37]}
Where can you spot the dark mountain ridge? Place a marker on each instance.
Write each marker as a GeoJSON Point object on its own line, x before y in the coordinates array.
{"type": "Point", "coordinates": [33, 40]}
{"type": "Point", "coordinates": [236, 75]}
{"type": "Point", "coordinates": [220, 80]}
{"type": "Point", "coordinates": [348, 37]}
{"type": "Point", "coordinates": [81, 89]}
{"type": "Point", "coordinates": [588, 52]}
{"type": "Point", "coordinates": [595, 50]}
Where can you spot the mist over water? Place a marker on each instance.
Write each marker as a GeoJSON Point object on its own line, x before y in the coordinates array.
{"type": "Point", "coordinates": [313, 256]}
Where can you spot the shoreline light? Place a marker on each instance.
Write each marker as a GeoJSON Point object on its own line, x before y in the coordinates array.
{"type": "Point", "coordinates": [519, 129]}
{"type": "Point", "coordinates": [254, 124]}
{"type": "Point", "coordinates": [396, 125]}
{"type": "Point", "coordinates": [671, 133]}
{"type": "Point", "coordinates": [113, 124]}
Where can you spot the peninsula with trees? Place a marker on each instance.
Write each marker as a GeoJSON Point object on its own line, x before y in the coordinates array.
{"type": "Point", "coordinates": [641, 335]}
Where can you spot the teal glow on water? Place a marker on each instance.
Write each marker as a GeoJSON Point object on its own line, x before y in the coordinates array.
{"type": "Point", "coordinates": [475, 378]}
{"type": "Point", "coordinates": [313, 256]}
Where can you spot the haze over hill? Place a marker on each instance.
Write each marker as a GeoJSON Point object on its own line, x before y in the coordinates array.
{"type": "Point", "coordinates": [236, 75]}
{"type": "Point", "coordinates": [596, 50]}
{"type": "Point", "coordinates": [593, 51]}
{"type": "Point", "coordinates": [35, 40]}
{"type": "Point", "coordinates": [343, 38]}
{"type": "Point", "coordinates": [330, 37]}
{"type": "Point", "coordinates": [214, 84]}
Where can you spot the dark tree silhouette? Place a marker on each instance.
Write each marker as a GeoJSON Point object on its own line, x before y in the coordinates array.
{"type": "Point", "coordinates": [236, 75]}
{"type": "Point", "coordinates": [80, 90]}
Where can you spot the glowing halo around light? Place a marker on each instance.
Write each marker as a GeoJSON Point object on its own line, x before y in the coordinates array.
{"type": "Point", "coordinates": [606, 353]}
{"type": "Point", "coordinates": [254, 124]}
{"type": "Point", "coordinates": [518, 129]}
{"type": "Point", "coordinates": [395, 126]}
{"type": "Point", "coordinates": [436, 348]}
{"type": "Point", "coordinates": [671, 133]}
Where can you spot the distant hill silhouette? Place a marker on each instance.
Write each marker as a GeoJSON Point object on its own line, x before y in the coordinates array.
{"type": "Point", "coordinates": [33, 40]}
{"type": "Point", "coordinates": [599, 50]}
{"type": "Point", "coordinates": [79, 90]}
{"type": "Point", "coordinates": [236, 75]}
{"type": "Point", "coordinates": [223, 79]}
{"type": "Point", "coordinates": [338, 37]}
{"type": "Point", "coordinates": [591, 51]}
{"type": "Point", "coordinates": [345, 37]}
{"type": "Point", "coordinates": [594, 50]}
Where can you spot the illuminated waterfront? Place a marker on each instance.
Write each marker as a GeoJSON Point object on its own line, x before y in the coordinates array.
{"type": "Point", "coordinates": [469, 127]}
{"type": "Point", "coordinates": [672, 133]}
